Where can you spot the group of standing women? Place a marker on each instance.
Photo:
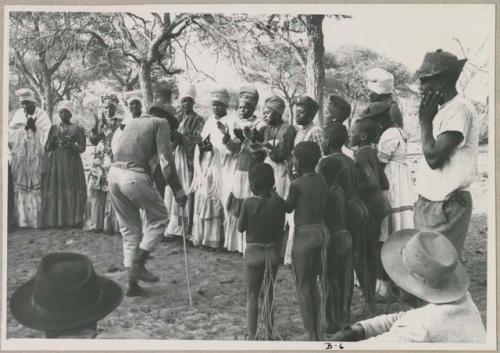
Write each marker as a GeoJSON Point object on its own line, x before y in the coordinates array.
{"type": "Point", "coordinates": [48, 179]}
{"type": "Point", "coordinates": [212, 157]}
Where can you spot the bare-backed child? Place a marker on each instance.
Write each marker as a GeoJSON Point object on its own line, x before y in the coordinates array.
{"type": "Point", "coordinates": [372, 181]}
{"type": "Point", "coordinates": [307, 197]}
{"type": "Point", "coordinates": [335, 138]}
{"type": "Point", "coordinates": [262, 217]}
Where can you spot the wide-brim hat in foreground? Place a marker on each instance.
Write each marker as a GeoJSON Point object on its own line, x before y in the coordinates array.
{"type": "Point", "coordinates": [425, 264]}
{"type": "Point", "coordinates": [65, 293]}
{"type": "Point", "coordinates": [168, 111]}
{"type": "Point", "coordinates": [440, 62]}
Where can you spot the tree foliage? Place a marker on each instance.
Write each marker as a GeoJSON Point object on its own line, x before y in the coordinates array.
{"type": "Point", "coordinates": [345, 71]}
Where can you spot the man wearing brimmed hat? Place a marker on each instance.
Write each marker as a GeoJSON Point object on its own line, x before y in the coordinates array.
{"type": "Point", "coordinates": [99, 214]}
{"type": "Point", "coordinates": [66, 298]}
{"type": "Point", "coordinates": [28, 131]}
{"type": "Point", "coordinates": [239, 141]}
{"type": "Point", "coordinates": [450, 141]}
{"type": "Point", "coordinates": [184, 142]}
{"type": "Point", "coordinates": [131, 189]}
{"type": "Point", "coordinates": [213, 167]}
{"type": "Point", "coordinates": [425, 265]}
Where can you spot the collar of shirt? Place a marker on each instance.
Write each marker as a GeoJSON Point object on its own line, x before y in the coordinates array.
{"type": "Point", "coordinates": [306, 127]}
{"type": "Point", "coordinates": [450, 102]}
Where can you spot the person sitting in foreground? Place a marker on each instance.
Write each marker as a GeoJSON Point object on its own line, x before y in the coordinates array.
{"type": "Point", "coordinates": [425, 265]}
{"type": "Point", "coordinates": [66, 298]}
{"type": "Point", "coordinates": [262, 217]}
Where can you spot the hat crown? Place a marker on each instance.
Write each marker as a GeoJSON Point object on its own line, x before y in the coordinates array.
{"type": "Point", "coordinates": [431, 258]}
{"type": "Point", "coordinates": [439, 62]}
{"type": "Point", "coordinates": [65, 283]}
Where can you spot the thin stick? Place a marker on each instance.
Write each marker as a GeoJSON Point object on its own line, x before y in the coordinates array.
{"type": "Point", "coordinates": [184, 235]}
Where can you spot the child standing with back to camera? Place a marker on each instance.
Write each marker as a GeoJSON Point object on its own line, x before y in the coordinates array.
{"type": "Point", "coordinates": [262, 217]}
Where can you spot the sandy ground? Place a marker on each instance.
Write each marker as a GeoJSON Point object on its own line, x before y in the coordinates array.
{"type": "Point", "coordinates": [217, 282]}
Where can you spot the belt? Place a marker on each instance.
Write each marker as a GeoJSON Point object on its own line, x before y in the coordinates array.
{"type": "Point", "coordinates": [452, 195]}
{"type": "Point", "coordinates": [132, 166]}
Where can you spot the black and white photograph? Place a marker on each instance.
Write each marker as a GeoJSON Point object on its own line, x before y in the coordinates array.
{"type": "Point", "coordinates": [251, 176]}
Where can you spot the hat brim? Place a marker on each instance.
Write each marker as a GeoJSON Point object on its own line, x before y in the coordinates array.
{"type": "Point", "coordinates": [21, 306]}
{"type": "Point", "coordinates": [392, 260]}
{"type": "Point", "coordinates": [457, 69]}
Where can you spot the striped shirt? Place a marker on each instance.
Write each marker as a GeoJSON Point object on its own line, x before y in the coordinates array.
{"type": "Point", "coordinates": [461, 169]}
{"type": "Point", "coordinates": [309, 132]}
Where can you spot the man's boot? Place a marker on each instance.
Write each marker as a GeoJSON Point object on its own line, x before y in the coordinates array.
{"type": "Point", "coordinates": [135, 290]}
{"type": "Point", "coordinates": [138, 272]}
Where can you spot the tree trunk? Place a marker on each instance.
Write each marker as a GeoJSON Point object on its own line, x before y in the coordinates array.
{"type": "Point", "coordinates": [315, 71]}
{"type": "Point", "coordinates": [146, 83]}
{"type": "Point", "coordinates": [47, 95]}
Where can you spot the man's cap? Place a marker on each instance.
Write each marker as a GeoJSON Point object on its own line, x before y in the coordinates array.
{"type": "Point", "coordinates": [162, 110]}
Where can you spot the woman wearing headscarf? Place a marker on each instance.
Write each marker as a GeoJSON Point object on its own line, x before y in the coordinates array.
{"type": "Point", "coordinates": [239, 142]}
{"type": "Point", "coordinates": [183, 144]}
{"type": "Point", "coordinates": [64, 187]}
{"type": "Point", "coordinates": [212, 166]}
{"type": "Point", "coordinates": [99, 214]}
{"type": "Point", "coordinates": [28, 131]}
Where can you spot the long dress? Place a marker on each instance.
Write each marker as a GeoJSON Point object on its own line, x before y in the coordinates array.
{"type": "Point", "coordinates": [212, 170]}
{"type": "Point", "coordinates": [392, 151]}
{"type": "Point", "coordinates": [28, 164]}
{"type": "Point", "coordinates": [99, 213]}
{"type": "Point", "coordinates": [240, 187]}
{"type": "Point", "coordinates": [190, 128]}
{"type": "Point", "coordinates": [64, 187]}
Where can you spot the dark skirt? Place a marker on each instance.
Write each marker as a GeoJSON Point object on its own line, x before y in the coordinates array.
{"type": "Point", "coordinates": [64, 190]}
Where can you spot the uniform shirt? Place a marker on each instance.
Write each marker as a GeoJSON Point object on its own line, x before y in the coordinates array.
{"type": "Point", "coordinates": [458, 321]}
{"type": "Point", "coordinates": [262, 219]}
{"type": "Point", "coordinates": [143, 138]}
{"type": "Point", "coordinates": [461, 169]}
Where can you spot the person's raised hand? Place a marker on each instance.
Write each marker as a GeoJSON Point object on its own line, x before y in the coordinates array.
{"type": "Point", "coordinates": [429, 106]}
{"type": "Point", "coordinates": [239, 134]}
{"type": "Point", "coordinates": [180, 197]}
{"type": "Point", "coordinates": [223, 128]}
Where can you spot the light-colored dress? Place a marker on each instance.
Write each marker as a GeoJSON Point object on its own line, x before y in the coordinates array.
{"type": "Point", "coordinates": [211, 171]}
{"type": "Point", "coordinates": [28, 164]}
{"type": "Point", "coordinates": [190, 129]}
{"type": "Point", "coordinates": [392, 148]}
{"type": "Point", "coordinates": [99, 213]}
{"type": "Point", "coordinates": [240, 187]}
